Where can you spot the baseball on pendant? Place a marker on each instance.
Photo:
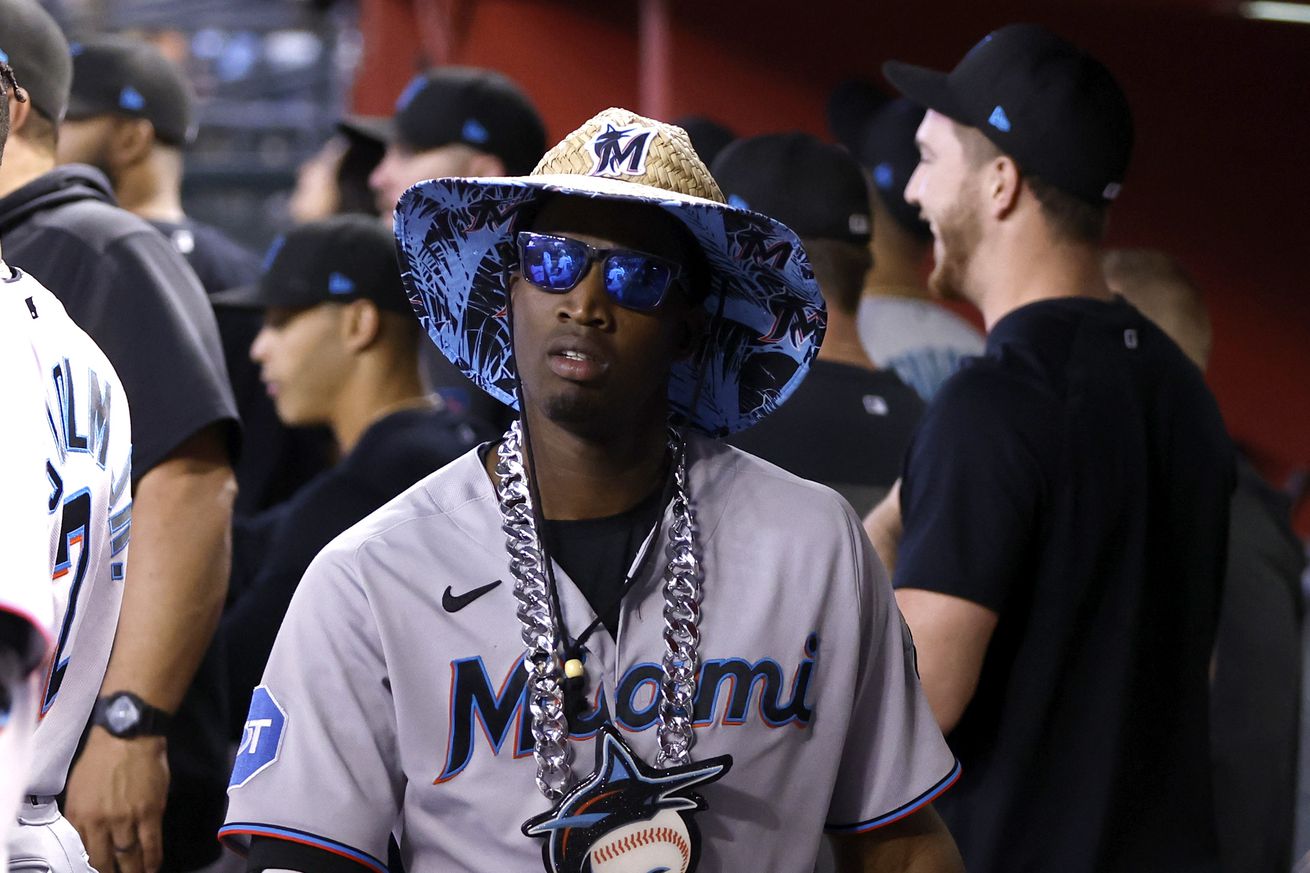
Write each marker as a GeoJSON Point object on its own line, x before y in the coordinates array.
{"type": "Point", "coordinates": [657, 844]}
{"type": "Point", "coordinates": [573, 668]}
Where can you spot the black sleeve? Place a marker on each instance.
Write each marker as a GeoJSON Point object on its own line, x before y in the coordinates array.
{"type": "Point", "coordinates": [973, 487]}
{"type": "Point", "coordinates": [271, 853]}
{"type": "Point", "coordinates": [321, 511]}
{"type": "Point", "coordinates": [153, 321]}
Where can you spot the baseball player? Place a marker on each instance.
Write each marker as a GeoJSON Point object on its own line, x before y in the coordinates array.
{"type": "Point", "coordinates": [607, 642]}
{"type": "Point", "coordinates": [69, 512]}
{"type": "Point", "coordinates": [26, 607]}
{"type": "Point", "coordinates": [86, 501]}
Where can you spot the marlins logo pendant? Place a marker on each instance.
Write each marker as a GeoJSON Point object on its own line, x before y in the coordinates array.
{"type": "Point", "coordinates": [627, 816]}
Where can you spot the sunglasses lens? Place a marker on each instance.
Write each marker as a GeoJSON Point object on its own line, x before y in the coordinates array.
{"type": "Point", "coordinates": [636, 281]}
{"type": "Point", "coordinates": [552, 264]}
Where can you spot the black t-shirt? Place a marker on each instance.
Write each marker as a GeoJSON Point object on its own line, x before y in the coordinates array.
{"type": "Point", "coordinates": [1076, 481]}
{"type": "Point", "coordinates": [124, 285]}
{"type": "Point", "coordinates": [272, 551]}
{"type": "Point", "coordinates": [598, 552]}
{"type": "Point", "coordinates": [845, 426]}
{"type": "Point", "coordinates": [279, 460]}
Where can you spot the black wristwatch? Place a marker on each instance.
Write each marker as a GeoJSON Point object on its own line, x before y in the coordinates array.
{"type": "Point", "coordinates": [125, 716]}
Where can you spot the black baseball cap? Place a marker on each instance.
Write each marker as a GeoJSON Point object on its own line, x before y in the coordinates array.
{"type": "Point", "coordinates": [33, 45]}
{"type": "Point", "coordinates": [336, 260]}
{"type": "Point", "coordinates": [850, 106]}
{"type": "Point", "coordinates": [816, 189]}
{"type": "Point", "coordinates": [115, 75]}
{"type": "Point", "coordinates": [1053, 108]}
{"type": "Point", "coordinates": [477, 107]}
{"type": "Point", "coordinates": [708, 137]}
{"type": "Point", "coordinates": [888, 152]}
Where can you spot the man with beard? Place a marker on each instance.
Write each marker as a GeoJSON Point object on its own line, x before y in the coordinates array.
{"type": "Point", "coordinates": [1065, 500]}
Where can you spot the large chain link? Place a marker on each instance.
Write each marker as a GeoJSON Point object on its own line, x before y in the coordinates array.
{"type": "Point", "coordinates": [541, 629]}
{"type": "Point", "coordinates": [550, 727]}
{"type": "Point", "coordinates": [682, 596]}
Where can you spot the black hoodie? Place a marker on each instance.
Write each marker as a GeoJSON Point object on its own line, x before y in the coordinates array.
{"type": "Point", "coordinates": [123, 283]}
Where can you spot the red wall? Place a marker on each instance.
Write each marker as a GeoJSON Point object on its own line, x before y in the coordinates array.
{"type": "Point", "coordinates": [1220, 177]}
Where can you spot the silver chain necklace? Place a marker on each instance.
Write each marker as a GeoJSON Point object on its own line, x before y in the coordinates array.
{"type": "Point", "coordinates": [542, 630]}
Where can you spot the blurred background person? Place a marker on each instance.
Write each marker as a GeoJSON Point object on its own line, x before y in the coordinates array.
{"type": "Point", "coordinates": [334, 180]}
{"type": "Point", "coordinates": [454, 121]}
{"type": "Point", "coordinates": [849, 423]}
{"type": "Point", "coordinates": [131, 116]}
{"type": "Point", "coordinates": [124, 284]}
{"type": "Point", "coordinates": [900, 326]}
{"type": "Point", "coordinates": [708, 137]}
{"type": "Point", "coordinates": [1255, 691]}
{"type": "Point", "coordinates": [339, 348]}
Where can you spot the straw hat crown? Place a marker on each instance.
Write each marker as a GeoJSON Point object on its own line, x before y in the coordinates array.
{"type": "Point", "coordinates": [619, 144]}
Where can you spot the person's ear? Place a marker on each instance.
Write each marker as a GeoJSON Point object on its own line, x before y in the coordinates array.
{"type": "Point", "coordinates": [361, 324]}
{"type": "Point", "coordinates": [1001, 182]}
{"type": "Point", "coordinates": [18, 112]}
{"type": "Point", "coordinates": [131, 141]}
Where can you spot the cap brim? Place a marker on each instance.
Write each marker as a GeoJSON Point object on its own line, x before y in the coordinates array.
{"type": "Point", "coordinates": [455, 238]}
{"type": "Point", "coordinates": [242, 297]}
{"type": "Point", "coordinates": [370, 127]}
{"type": "Point", "coordinates": [80, 107]}
{"type": "Point", "coordinates": [929, 88]}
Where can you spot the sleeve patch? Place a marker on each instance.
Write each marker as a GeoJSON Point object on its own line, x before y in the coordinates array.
{"type": "Point", "coordinates": [261, 739]}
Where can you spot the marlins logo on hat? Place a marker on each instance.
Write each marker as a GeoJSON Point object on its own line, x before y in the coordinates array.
{"type": "Point", "coordinates": [766, 315]}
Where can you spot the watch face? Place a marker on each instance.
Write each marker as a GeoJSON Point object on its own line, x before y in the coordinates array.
{"type": "Point", "coordinates": [122, 715]}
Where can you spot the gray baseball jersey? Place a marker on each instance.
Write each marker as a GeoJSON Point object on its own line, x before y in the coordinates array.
{"type": "Point", "coordinates": [923, 342]}
{"type": "Point", "coordinates": [384, 711]}
{"type": "Point", "coordinates": [87, 500]}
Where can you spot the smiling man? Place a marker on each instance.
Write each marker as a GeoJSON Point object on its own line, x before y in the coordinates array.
{"type": "Point", "coordinates": [606, 641]}
{"type": "Point", "coordinates": [1065, 499]}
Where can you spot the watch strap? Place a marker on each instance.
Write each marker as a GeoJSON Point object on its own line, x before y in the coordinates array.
{"type": "Point", "coordinates": [151, 722]}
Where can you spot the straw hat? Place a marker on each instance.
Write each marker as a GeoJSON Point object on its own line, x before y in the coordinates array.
{"type": "Point", "coordinates": [456, 240]}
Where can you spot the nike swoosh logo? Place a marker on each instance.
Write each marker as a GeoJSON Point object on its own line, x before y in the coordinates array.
{"type": "Point", "coordinates": [455, 602]}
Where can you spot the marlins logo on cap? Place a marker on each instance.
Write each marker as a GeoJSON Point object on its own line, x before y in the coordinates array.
{"type": "Point", "coordinates": [621, 151]}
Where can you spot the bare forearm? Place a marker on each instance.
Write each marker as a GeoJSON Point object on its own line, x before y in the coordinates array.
{"type": "Point", "coordinates": [883, 525]}
{"type": "Point", "coordinates": [177, 573]}
{"type": "Point", "coordinates": [918, 844]}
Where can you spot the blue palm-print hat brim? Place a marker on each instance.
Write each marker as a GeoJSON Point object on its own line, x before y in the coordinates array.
{"type": "Point", "coordinates": [456, 243]}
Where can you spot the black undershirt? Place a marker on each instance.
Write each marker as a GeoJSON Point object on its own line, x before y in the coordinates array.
{"type": "Point", "coordinates": [598, 552]}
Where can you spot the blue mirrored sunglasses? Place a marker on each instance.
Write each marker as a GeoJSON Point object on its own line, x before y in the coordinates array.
{"type": "Point", "coordinates": [632, 279]}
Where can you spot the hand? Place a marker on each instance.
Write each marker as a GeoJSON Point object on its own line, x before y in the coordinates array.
{"type": "Point", "coordinates": [116, 796]}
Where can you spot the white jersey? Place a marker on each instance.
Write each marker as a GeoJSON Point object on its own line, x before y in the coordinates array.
{"type": "Point", "coordinates": [923, 342]}
{"type": "Point", "coordinates": [86, 501]}
{"type": "Point", "coordinates": [30, 530]}
{"type": "Point", "coordinates": [395, 702]}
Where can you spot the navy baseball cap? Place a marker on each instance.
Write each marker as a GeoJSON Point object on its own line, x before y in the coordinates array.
{"type": "Point", "coordinates": [816, 189]}
{"type": "Point", "coordinates": [479, 108]}
{"type": "Point", "coordinates": [34, 46]}
{"type": "Point", "coordinates": [888, 152]}
{"type": "Point", "coordinates": [708, 137]}
{"type": "Point", "coordinates": [850, 106]}
{"type": "Point", "coordinates": [336, 260]}
{"type": "Point", "coordinates": [1053, 108]}
{"type": "Point", "coordinates": [130, 77]}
